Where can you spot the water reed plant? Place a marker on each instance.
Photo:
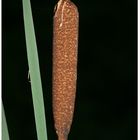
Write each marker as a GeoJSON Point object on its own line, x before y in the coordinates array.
{"type": "Point", "coordinates": [65, 50]}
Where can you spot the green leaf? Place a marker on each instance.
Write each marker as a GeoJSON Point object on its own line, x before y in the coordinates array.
{"type": "Point", "coordinates": [36, 86]}
{"type": "Point", "coordinates": [5, 134]}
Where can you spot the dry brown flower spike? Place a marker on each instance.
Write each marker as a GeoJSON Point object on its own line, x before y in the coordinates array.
{"type": "Point", "coordinates": [65, 46]}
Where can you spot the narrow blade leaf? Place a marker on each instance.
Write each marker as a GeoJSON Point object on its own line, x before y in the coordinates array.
{"type": "Point", "coordinates": [36, 86]}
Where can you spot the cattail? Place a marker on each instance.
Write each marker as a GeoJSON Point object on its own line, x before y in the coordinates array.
{"type": "Point", "coordinates": [65, 45]}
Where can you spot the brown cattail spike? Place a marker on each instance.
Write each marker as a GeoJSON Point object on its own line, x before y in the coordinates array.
{"type": "Point", "coordinates": [65, 45]}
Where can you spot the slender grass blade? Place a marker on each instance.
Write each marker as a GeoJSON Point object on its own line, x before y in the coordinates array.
{"type": "Point", "coordinates": [36, 86]}
{"type": "Point", "coordinates": [5, 134]}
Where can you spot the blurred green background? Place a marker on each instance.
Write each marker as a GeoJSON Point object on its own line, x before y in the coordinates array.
{"type": "Point", "coordinates": [106, 103]}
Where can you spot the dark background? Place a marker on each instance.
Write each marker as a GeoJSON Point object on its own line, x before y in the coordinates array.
{"type": "Point", "coordinates": [106, 103]}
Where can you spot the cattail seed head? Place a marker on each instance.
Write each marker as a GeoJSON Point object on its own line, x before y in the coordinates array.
{"type": "Point", "coordinates": [65, 46]}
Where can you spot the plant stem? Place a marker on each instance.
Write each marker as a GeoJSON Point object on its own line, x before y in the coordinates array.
{"type": "Point", "coordinates": [62, 138]}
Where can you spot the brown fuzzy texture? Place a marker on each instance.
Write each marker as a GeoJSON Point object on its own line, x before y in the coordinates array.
{"type": "Point", "coordinates": [65, 45]}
